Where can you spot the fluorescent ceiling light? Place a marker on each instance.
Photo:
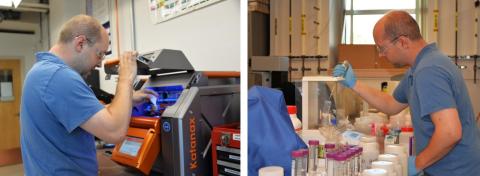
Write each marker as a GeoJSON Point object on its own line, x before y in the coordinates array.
{"type": "Point", "coordinates": [8, 3]}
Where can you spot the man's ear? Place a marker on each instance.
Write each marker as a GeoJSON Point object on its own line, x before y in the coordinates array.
{"type": "Point", "coordinates": [405, 42]}
{"type": "Point", "coordinates": [79, 43]}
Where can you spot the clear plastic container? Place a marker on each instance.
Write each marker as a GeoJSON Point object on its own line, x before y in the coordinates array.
{"type": "Point", "coordinates": [340, 165]}
{"type": "Point", "coordinates": [331, 163]}
{"type": "Point", "coordinates": [312, 155]}
{"type": "Point", "coordinates": [358, 156]}
{"type": "Point", "coordinates": [297, 163]}
{"type": "Point", "coordinates": [351, 161]}
{"type": "Point", "coordinates": [305, 161]}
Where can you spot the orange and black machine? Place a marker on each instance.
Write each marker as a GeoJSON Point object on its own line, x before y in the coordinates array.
{"type": "Point", "coordinates": [171, 134]}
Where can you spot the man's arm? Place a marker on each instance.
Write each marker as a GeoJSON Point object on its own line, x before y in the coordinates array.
{"type": "Point", "coordinates": [380, 100]}
{"type": "Point", "coordinates": [111, 123]}
{"type": "Point", "coordinates": [448, 131]}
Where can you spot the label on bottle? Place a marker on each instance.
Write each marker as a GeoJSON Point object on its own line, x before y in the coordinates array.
{"type": "Point", "coordinates": [321, 151]}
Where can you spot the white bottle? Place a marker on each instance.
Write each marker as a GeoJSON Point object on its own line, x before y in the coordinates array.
{"type": "Point", "coordinates": [394, 159]}
{"type": "Point", "coordinates": [271, 171]}
{"type": "Point", "coordinates": [297, 124]}
{"type": "Point", "coordinates": [406, 140]}
{"type": "Point", "coordinates": [387, 165]}
{"type": "Point", "coordinates": [370, 151]}
{"type": "Point", "coordinates": [399, 150]}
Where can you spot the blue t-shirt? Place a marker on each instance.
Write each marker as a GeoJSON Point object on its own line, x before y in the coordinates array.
{"type": "Point", "coordinates": [432, 84]}
{"type": "Point", "coordinates": [55, 102]}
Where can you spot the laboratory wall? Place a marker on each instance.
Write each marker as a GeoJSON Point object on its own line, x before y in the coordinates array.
{"type": "Point", "coordinates": [60, 12]}
{"type": "Point", "coordinates": [439, 24]}
{"type": "Point", "coordinates": [23, 46]}
{"type": "Point", "coordinates": [209, 37]}
{"type": "Point", "coordinates": [19, 46]}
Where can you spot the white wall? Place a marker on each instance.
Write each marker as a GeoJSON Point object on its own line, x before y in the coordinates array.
{"type": "Point", "coordinates": [209, 37]}
{"type": "Point", "coordinates": [19, 46]}
{"type": "Point", "coordinates": [60, 12]}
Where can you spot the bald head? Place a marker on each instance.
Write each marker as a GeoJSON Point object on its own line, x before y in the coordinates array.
{"type": "Point", "coordinates": [397, 23]}
{"type": "Point", "coordinates": [81, 25]}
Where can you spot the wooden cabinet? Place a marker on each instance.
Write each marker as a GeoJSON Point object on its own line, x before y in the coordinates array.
{"type": "Point", "coordinates": [362, 57]}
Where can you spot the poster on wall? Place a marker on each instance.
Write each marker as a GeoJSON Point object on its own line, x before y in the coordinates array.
{"type": "Point", "coordinates": [164, 10]}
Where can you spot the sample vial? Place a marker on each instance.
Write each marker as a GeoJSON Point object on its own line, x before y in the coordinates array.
{"type": "Point", "coordinates": [312, 155]}
{"type": "Point", "coordinates": [329, 147]}
{"type": "Point", "coordinates": [305, 161]}
{"type": "Point", "coordinates": [297, 161]}
{"type": "Point", "coordinates": [331, 163]}
{"type": "Point", "coordinates": [340, 164]}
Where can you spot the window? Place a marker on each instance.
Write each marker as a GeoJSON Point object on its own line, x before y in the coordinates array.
{"type": "Point", "coordinates": [361, 16]}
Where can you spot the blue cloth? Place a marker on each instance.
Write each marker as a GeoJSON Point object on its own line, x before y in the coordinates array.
{"type": "Point", "coordinates": [432, 84]}
{"type": "Point", "coordinates": [55, 102]}
{"type": "Point", "coordinates": [271, 137]}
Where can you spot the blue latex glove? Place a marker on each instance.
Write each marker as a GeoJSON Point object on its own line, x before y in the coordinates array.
{"type": "Point", "coordinates": [412, 170]}
{"type": "Point", "coordinates": [350, 79]}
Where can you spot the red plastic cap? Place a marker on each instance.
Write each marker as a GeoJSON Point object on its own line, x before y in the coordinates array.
{"type": "Point", "coordinates": [292, 109]}
{"type": "Point", "coordinates": [297, 153]}
{"type": "Point", "coordinates": [313, 142]}
{"type": "Point", "coordinates": [407, 129]}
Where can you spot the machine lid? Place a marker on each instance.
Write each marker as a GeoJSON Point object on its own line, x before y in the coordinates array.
{"type": "Point", "coordinates": [164, 61]}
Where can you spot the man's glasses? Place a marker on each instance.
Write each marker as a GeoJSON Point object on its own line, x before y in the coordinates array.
{"type": "Point", "coordinates": [100, 54]}
{"type": "Point", "coordinates": [381, 50]}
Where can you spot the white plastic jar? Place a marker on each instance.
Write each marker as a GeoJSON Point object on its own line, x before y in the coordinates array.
{"type": "Point", "coordinates": [387, 165]}
{"type": "Point", "coordinates": [374, 172]}
{"type": "Point", "coordinates": [395, 160]}
{"type": "Point", "coordinates": [370, 154]}
{"type": "Point", "coordinates": [271, 171]}
{"type": "Point", "coordinates": [398, 150]}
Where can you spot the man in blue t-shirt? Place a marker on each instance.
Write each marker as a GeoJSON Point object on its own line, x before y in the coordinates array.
{"type": "Point", "coordinates": [446, 135]}
{"type": "Point", "coordinates": [60, 114]}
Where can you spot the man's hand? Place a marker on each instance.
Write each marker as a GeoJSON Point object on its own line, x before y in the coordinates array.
{"type": "Point", "coordinates": [143, 95]}
{"type": "Point", "coordinates": [347, 73]}
{"type": "Point", "coordinates": [128, 66]}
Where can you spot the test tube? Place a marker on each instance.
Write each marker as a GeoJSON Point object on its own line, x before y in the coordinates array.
{"type": "Point", "coordinates": [305, 161]}
{"type": "Point", "coordinates": [312, 155]}
{"type": "Point", "coordinates": [329, 147]}
{"type": "Point", "coordinates": [297, 161]}
{"type": "Point", "coordinates": [331, 163]}
{"type": "Point", "coordinates": [348, 162]}
{"type": "Point", "coordinates": [355, 160]}
{"type": "Point", "coordinates": [359, 160]}
{"type": "Point", "coordinates": [340, 164]}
